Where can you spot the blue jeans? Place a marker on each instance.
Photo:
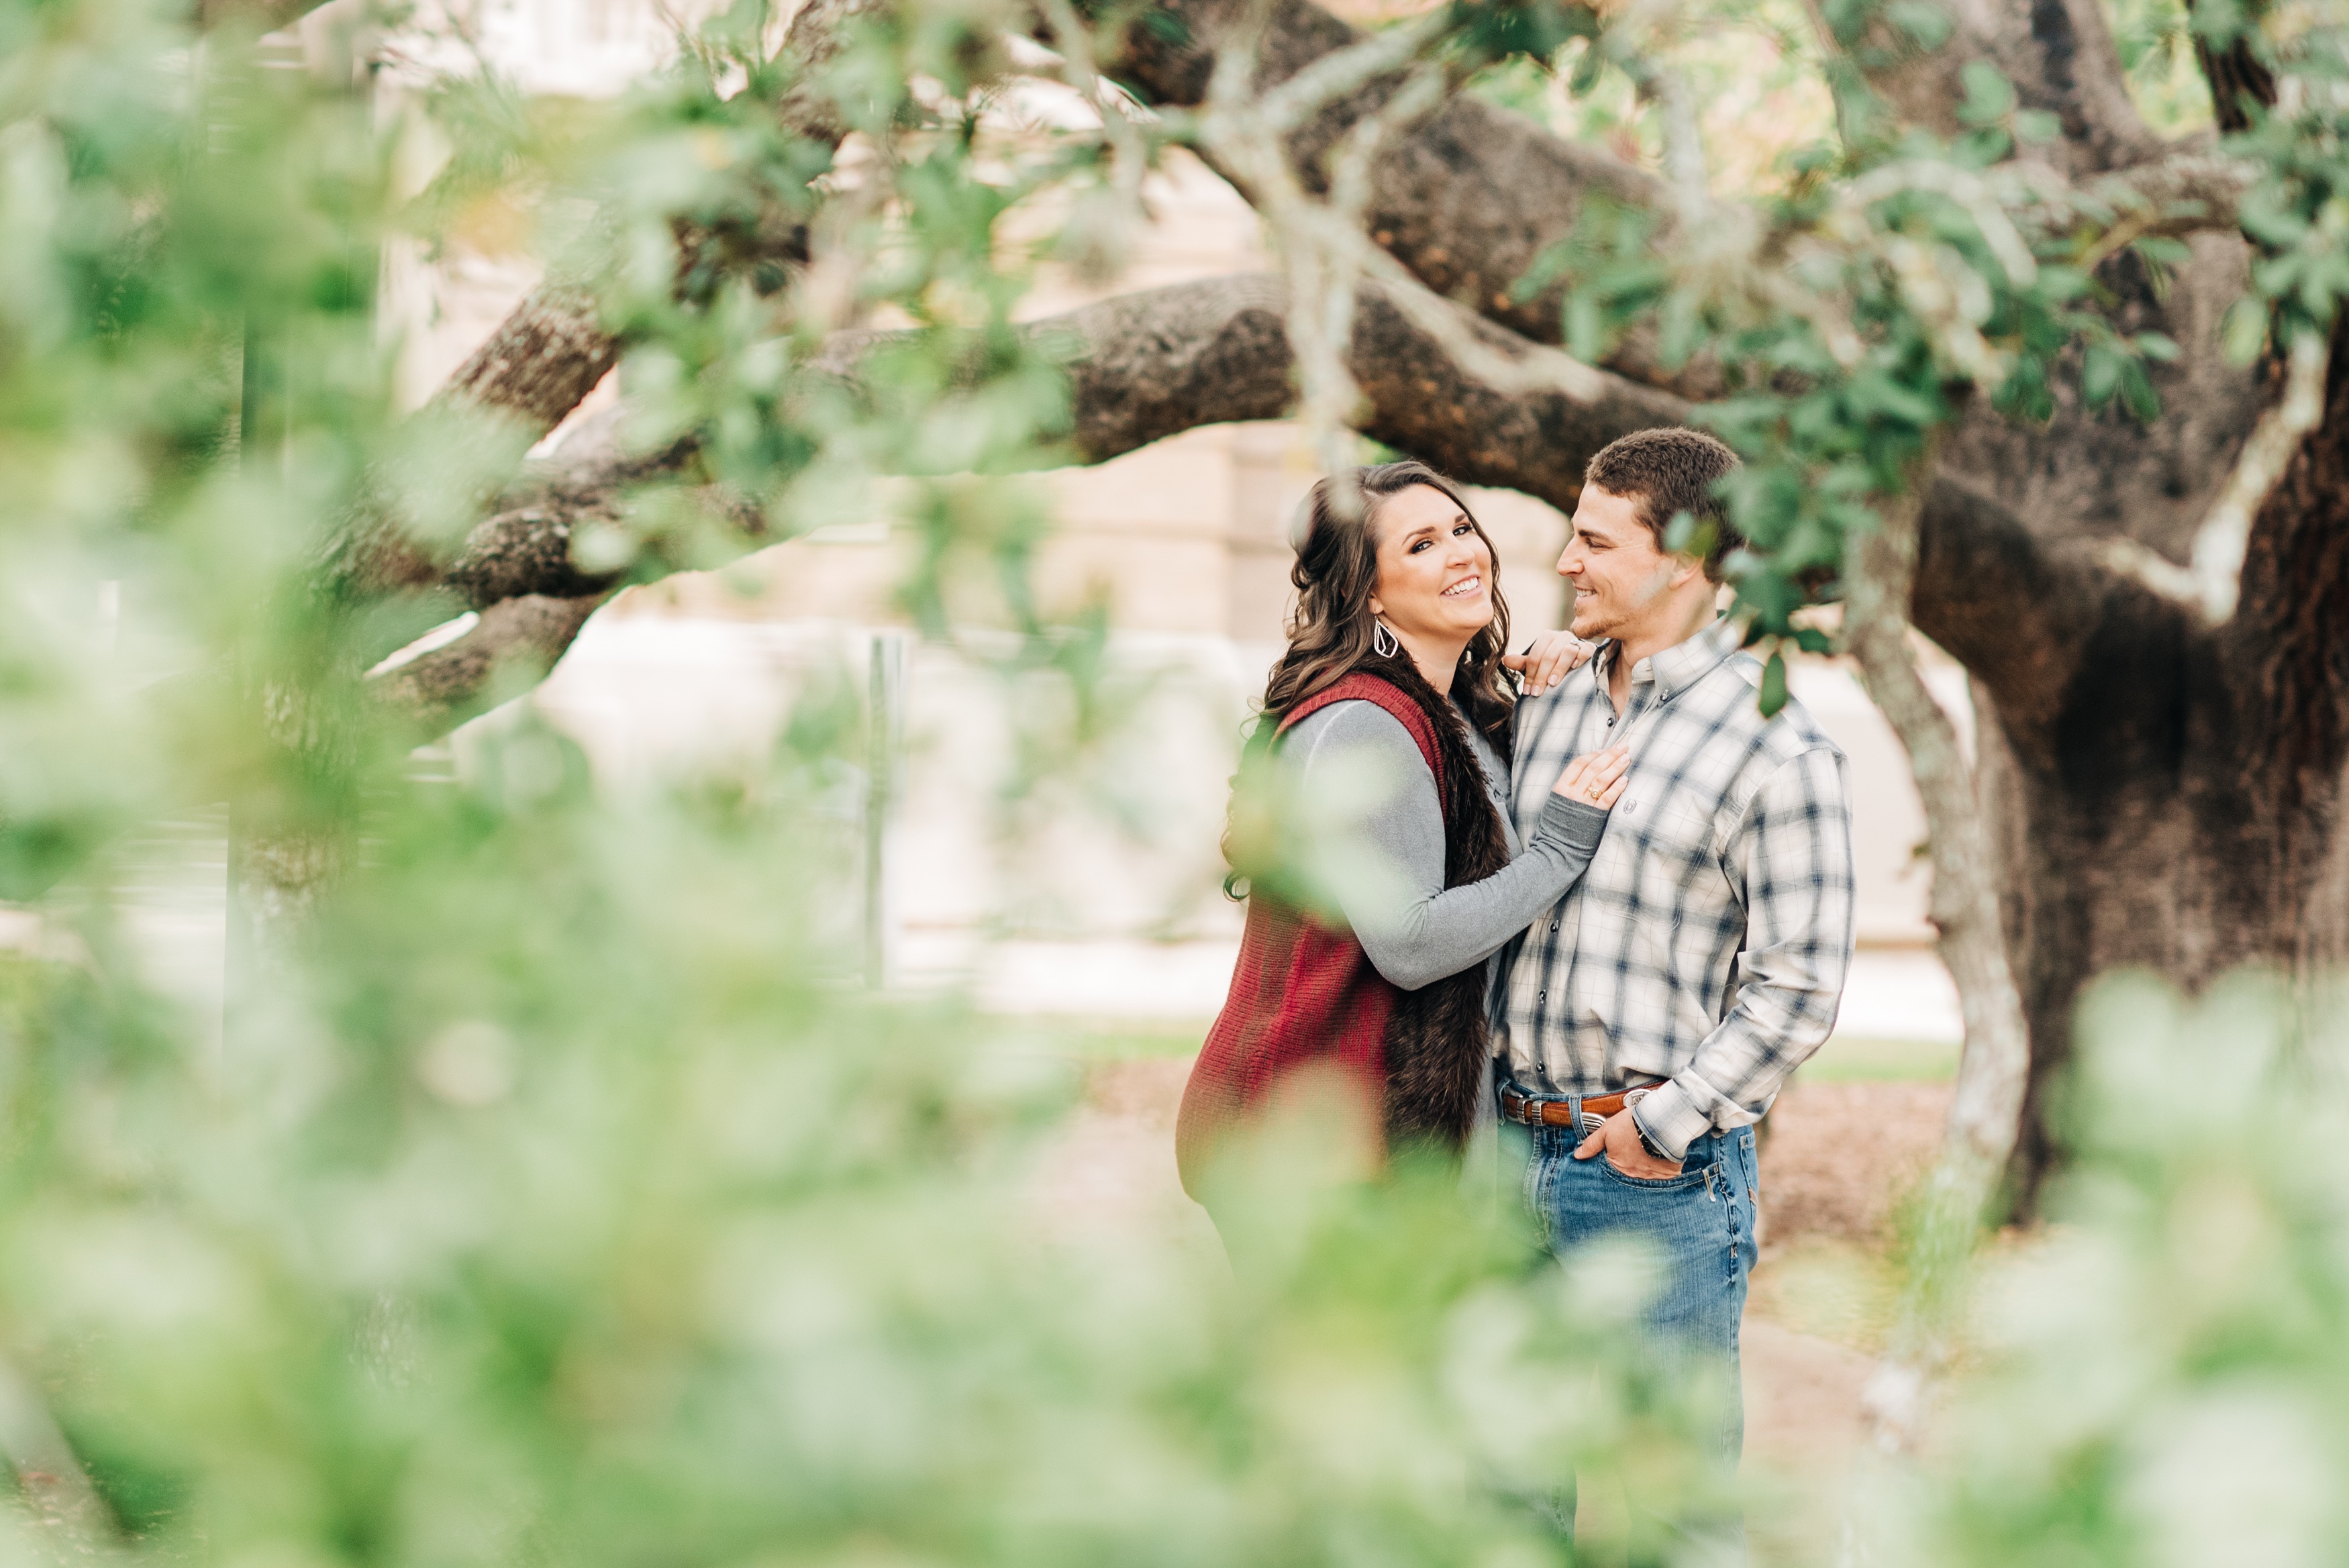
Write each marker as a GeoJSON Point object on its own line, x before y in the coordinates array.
{"type": "Point", "coordinates": [1700, 1223]}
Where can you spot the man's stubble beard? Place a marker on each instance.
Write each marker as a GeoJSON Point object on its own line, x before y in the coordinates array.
{"type": "Point", "coordinates": [1633, 616]}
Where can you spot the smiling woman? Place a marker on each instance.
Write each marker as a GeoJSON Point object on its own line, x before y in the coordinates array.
{"type": "Point", "coordinates": [1436, 590]}
{"type": "Point", "coordinates": [1371, 959]}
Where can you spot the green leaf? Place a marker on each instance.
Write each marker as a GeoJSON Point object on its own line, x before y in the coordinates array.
{"type": "Point", "coordinates": [2100, 376]}
{"type": "Point", "coordinates": [1774, 686]}
{"type": "Point", "coordinates": [1848, 19]}
{"type": "Point", "coordinates": [1990, 96]}
{"type": "Point", "coordinates": [1587, 68]}
{"type": "Point", "coordinates": [1880, 395]}
{"type": "Point", "coordinates": [2246, 329]}
{"type": "Point", "coordinates": [1980, 148]}
{"type": "Point", "coordinates": [1586, 326]}
{"type": "Point", "coordinates": [2037, 127]}
{"type": "Point", "coordinates": [1536, 29]}
{"type": "Point", "coordinates": [1925, 25]}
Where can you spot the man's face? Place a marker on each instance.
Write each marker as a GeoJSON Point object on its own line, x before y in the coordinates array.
{"type": "Point", "coordinates": [1620, 579]}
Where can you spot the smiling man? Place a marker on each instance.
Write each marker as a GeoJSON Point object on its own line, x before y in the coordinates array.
{"type": "Point", "coordinates": [1648, 1018]}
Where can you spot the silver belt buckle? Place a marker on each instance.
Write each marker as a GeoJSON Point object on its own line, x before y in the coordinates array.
{"type": "Point", "coordinates": [1592, 1122]}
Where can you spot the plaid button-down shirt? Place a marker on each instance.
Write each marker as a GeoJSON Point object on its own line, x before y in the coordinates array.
{"type": "Point", "coordinates": [1707, 943]}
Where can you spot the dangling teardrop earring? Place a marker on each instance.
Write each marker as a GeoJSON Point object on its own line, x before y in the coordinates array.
{"type": "Point", "coordinates": [1384, 641]}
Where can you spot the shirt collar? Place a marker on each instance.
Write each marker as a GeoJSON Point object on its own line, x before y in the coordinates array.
{"type": "Point", "coordinates": [1682, 665]}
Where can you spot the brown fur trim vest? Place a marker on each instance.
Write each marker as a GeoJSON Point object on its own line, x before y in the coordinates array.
{"type": "Point", "coordinates": [1438, 1038]}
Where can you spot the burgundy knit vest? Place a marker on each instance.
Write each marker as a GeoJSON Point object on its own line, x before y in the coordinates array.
{"type": "Point", "coordinates": [1305, 994]}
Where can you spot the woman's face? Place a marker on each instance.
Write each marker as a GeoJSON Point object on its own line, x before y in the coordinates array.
{"type": "Point", "coordinates": [1435, 572]}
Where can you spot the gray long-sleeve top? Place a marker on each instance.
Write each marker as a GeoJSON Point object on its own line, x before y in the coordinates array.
{"type": "Point", "coordinates": [1414, 929]}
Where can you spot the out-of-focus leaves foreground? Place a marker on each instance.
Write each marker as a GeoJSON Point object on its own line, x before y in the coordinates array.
{"type": "Point", "coordinates": [548, 1195]}
{"type": "Point", "coordinates": [552, 1194]}
{"type": "Point", "coordinates": [2163, 1376]}
{"type": "Point", "coordinates": [560, 1216]}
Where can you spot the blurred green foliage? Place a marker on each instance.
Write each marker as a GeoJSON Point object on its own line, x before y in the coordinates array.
{"type": "Point", "coordinates": [2160, 1377]}
{"type": "Point", "coordinates": [2157, 49]}
{"type": "Point", "coordinates": [547, 1193]}
{"type": "Point", "coordinates": [549, 1196]}
{"type": "Point", "coordinates": [561, 1210]}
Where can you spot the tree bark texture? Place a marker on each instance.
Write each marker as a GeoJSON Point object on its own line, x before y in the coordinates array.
{"type": "Point", "coordinates": [516, 641]}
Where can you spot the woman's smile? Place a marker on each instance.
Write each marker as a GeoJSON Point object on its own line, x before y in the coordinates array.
{"type": "Point", "coordinates": [1473, 584]}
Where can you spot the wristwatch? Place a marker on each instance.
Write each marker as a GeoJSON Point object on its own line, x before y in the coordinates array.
{"type": "Point", "coordinates": [1646, 1142]}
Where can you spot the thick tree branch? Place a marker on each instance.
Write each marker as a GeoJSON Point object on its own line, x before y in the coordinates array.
{"type": "Point", "coordinates": [2059, 54]}
{"type": "Point", "coordinates": [1146, 365]}
{"type": "Point", "coordinates": [2190, 190]}
{"type": "Point", "coordinates": [1140, 367]}
{"type": "Point", "coordinates": [525, 546]}
{"type": "Point", "coordinates": [2211, 581]}
{"type": "Point", "coordinates": [555, 347]}
{"type": "Point", "coordinates": [2291, 628]}
{"type": "Point", "coordinates": [552, 350]}
{"type": "Point", "coordinates": [544, 356]}
{"type": "Point", "coordinates": [1468, 200]}
{"type": "Point", "coordinates": [1149, 364]}
{"type": "Point", "coordinates": [511, 647]}
{"type": "Point", "coordinates": [1996, 598]}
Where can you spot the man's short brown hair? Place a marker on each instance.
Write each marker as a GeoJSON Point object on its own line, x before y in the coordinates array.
{"type": "Point", "coordinates": [1669, 471]}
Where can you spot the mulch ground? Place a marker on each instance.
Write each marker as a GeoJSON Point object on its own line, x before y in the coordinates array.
{"type": "Point", "coordinates": [1838, 1158]}
{"type": "Point", "coordinates": [1836, 1161]}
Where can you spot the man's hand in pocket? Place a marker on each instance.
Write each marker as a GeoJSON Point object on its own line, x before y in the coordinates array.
{"type": "Point", "coordinates": [1618, 1139]}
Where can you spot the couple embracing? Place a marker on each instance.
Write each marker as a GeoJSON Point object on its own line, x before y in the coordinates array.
{"type": "Point", "coordinates": [1615, 908]}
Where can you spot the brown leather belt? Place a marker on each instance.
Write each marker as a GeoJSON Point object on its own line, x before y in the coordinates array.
{"type": "Point", "coordinates": [1595, 1108]}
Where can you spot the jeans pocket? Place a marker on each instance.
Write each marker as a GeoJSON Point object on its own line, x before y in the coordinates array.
{"type": "Point", "coordinates": [1530, 1188]}
{"type": "Point", "coordinates": [1690, 1176]}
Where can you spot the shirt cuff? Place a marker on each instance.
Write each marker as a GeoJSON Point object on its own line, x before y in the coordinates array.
{"type": "Point", "coordinates": [1575, 823]}
{"type": "Point", "coordinates": [1672, 1119]}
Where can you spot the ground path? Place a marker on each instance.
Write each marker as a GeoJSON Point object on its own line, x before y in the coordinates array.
{"type": "Point", "coordinates": [1836, 1158]}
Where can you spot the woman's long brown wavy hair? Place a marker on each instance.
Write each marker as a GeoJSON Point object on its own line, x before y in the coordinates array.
{"type": "Point", "coordinates": [1332, 634]}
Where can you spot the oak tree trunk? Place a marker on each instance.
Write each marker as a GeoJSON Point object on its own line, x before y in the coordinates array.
{"type": "Point", "coordinates": [2171, 802]}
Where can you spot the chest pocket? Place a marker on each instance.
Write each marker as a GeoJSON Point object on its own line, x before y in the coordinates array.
{"type": "Point", "coordinates": [1677, 869]}
{"type": "Point", "coordinates": [1671, 833]}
